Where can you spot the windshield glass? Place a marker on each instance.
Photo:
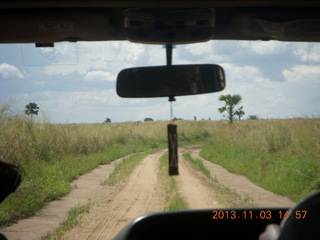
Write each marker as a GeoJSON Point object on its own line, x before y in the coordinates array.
{"type": "Point", "coordinates": [60, 117]}
{"type": "Point", "coordinates": [75, 83]}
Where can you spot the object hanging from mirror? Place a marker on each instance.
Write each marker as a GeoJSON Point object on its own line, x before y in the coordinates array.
{"type": "Point", "coordinates": [173, 149]}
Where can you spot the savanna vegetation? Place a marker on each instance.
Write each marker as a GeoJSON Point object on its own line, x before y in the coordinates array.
{"type": "Point", "coordinates": [279, 155]}
{"type": "Point", "coordinates": [173, 198]}
{"type": "Point", "coordinates": [230, 103]}
{"type": "Point", "coordinates": [52, 155]}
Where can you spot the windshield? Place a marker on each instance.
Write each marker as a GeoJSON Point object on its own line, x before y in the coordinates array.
{"type": "Point", "coordinates": [75, 82]}
{"type": "Point", "coordinates": [60, 117]}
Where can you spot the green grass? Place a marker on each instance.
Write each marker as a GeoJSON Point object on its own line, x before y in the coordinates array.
{"type": "Point", "coordinates": [173, 199]}
{"type": "Point", "coordinates": [279, 155]}
{"type": "Point", "coordinates": [197, 164]}
{"type": "Point", "coordinates": [74, 219]}
{"type": "Point", "coordinates": [226, 195]}
{"type": "Point", "coordinates": [124, 169]}
{"type": "Point", "coordinates": [44, 182]}
{"type": "Point", "coordinates": [51, 156]}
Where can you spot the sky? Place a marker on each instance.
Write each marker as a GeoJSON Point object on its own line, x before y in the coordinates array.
{"type": "Point", "coordinates": [75, 82]}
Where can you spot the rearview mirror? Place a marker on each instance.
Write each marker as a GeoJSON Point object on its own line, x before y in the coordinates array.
{"type": "Point", "coordinates": [170, 81]}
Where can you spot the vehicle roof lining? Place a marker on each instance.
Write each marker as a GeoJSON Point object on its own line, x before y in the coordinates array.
{"type": "Point", "coordinates": [22, 21]}
{"type": "Point", "coordinates": [151, 3]}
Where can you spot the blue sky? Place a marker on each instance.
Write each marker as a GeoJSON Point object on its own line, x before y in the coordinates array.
{"type": "Point", "coordinates": [75, 82]}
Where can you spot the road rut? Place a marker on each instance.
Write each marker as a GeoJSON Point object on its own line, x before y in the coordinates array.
{"type": "Point", "coordinates": [142, 194]}
{"type": "Point", "coordinates": [115, 206]}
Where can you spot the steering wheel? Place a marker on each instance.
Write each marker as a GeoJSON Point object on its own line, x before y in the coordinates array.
{"type": "Point", "coordinates": [303, 221]}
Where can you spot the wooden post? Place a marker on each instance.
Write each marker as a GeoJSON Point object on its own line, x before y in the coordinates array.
{"type": "Point", "coordinates": [173, 149]}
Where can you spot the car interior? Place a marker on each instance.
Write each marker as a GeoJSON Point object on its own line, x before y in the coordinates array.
{"type": "Point", "coordinates": [169, 23]}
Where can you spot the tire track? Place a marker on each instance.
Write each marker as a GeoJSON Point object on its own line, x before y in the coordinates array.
{"type": "Point", "coordinates": [259, 196]}
{"type": "Point", "coordinates": [115, 206]}
{"type": "Point", "coordinates": [142, 194]}
{"type": "Point", "coordinates": [194, 188]}
{"type": "Point", "coordinates": [86, 188]}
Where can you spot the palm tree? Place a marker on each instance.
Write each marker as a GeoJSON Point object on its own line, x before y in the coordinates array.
{"type": "Point", "coordinates": [230, 103]}
{"type": "Point", "coordinates": [239, 112]}
{"type": "Point", "coordinates": [31, 109]}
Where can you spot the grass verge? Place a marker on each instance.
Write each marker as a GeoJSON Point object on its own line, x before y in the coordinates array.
{"type": "Point", "coordinates": [226, 195]}
{"type": "Point", "coordinates": [124, 169]}
{"type": "Point", "coordinates": [120, 175]}
{"type": "Point", "coordinates": [74, 218]}
{"type": "Point", "coordinates": [173, 199]}
{"type": "Point", "coordinates": [47, 181]}
{"type": "Point", "coordinates": [197, 164]}
{"type": "Point", "coordinates": [279, 155]}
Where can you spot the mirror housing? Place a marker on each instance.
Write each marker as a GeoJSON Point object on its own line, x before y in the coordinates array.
{"type": "Point", "coordinates": [174, 26]}
{"type": "Point", "coordinates": [170, 81]}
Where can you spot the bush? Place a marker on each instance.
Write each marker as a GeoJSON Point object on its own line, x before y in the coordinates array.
{"type": "Point", "coordinates": [148, 119]}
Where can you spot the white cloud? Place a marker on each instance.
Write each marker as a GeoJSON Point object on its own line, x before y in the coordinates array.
{"type": "Point", "coordinates": [202, 106]}
{"type": "Point", "coordinates": [302, 73]}
{"type": "Point", "coordinates": [264, 47]}
{"type": "Point", "coordinates": [308, 52]}
{"type": "Point", "coordinates": [95, 97]}
{"type": "Point", "coordinates": [87, 106]}
{"type": "Point", "coordinates": [206, 51]}
{"type": "Point", "coordinates": [100, 76]}
{"type": "Point", "coordinates": [242, 74]}
{"type": "Point", "coordinates": [134, 51]}
{"type": "Point", "coordinates": [39, 83]}
{"type": "Point", "coordinates": [8, 71]}
{"type": "Point", "coordinates": [105, 56]}
{"type": "Point", "coordinates": [61, 54]}
{"type": "Point", "coordinates": [200, 48]}
{"type": "Point", "coordinates": [104, 97]}
{"type": "Point", "coordinates": [157, 55]}
{"type": "Point", "coordinates": [248, 72]}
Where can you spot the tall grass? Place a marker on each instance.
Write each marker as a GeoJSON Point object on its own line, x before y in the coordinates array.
{"type": "Point", "coordinates": [279, 155]}
{"type": "Point", "coordinates": [51, 156]}
{"type": "Point", "coordinates": [23, 141]}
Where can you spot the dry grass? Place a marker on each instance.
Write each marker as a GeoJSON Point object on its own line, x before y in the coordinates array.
{"type": "Point", "coordinates": [280, 155]}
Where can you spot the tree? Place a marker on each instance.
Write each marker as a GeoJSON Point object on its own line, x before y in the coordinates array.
{"type": "Point", "coordinates": [230, 103]}
{"type": "Point", "coordinates": [239, 112]}
{"type": "Point", "coordinates": [148, 119]}
{"type": "Point", "coordinates": [253, 117]}
{"type": "Point", "coordinates": [108, 120]}
{"type": "Point", "coordinates": [175, 119]}
{"type": "Point", "coordinates": [31, 109]}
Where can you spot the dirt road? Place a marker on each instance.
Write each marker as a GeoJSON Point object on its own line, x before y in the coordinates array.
{"type": "Point", "coordinates": [143, 194]}
{"type": "Point", "coordinates": [116, 206]}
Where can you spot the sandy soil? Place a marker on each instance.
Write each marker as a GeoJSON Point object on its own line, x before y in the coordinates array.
{"type": "Point", "coordinates": [143, 194]}
{"type": "Point", "coordinates": [86, 188]}
{"type": "Point", "coordinates": [194, 187]}
{"type": "Point", "coordinates": [258, 196]}
{"type": "Point", "coordinates": [116, 206]}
